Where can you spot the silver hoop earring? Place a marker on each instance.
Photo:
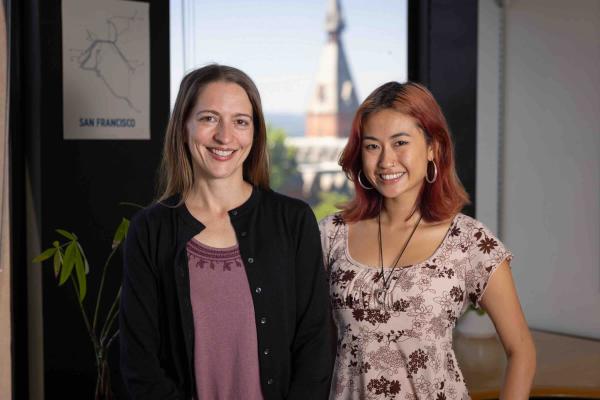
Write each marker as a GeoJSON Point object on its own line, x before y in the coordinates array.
{"type": "Point", "coordinates": [362, 185]}
{"type": "Point", "coordinates": [435, 172]}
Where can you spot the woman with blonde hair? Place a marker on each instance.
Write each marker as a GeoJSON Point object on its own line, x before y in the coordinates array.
{"type": "Point", "coordinates": [224, 295]}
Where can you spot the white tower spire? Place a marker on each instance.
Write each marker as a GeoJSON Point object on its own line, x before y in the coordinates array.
{"type": "Point", "coordinates": [334, 102]}
{"type": "Point", "coordinates": [334, 23]}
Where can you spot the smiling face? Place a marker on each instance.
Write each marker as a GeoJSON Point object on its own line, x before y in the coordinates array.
{"type": "Point", "coordinates": [395, 153]}
{"type": "Point", "coordinates": [220, 131]}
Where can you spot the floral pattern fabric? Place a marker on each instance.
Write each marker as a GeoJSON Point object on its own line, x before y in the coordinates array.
{"type": "Point", "coordinates": [400, 346]}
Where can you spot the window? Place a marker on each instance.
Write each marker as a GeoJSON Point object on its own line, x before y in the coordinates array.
{"type": "Point", "coordinates": [313, 61]}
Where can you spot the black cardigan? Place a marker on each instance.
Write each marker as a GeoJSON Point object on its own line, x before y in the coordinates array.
{"type": "Point", "coordinates": [279, 243]}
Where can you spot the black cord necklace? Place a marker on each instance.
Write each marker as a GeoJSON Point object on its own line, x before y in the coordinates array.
{"type": "Point", "coordinates": [381, 293]}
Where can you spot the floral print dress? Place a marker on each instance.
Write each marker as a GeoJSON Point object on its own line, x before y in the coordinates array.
{"type": "Point", "coordinates": [403, 350]}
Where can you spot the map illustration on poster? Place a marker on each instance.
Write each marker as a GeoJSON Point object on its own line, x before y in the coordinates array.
{"type": "Point", "coordinates": [106, 70]}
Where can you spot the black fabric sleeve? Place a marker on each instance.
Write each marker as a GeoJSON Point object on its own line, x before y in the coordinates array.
{"type": "Point", "coordinates": [138, 321]}
{"type": "Point", "coordinates": [312, 356]}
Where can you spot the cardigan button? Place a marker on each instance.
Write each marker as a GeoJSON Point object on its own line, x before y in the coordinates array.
{"type": "Point", "coordinates": [263, 320]}
{"type": "Point", "coordinates": [267, 351]}
{"type": "Point", "coordinates": [258, 290]}
{"type": "Point", "coordinates": [234, 212]}
{"type": "Point", "coordinates": [270, 381]}
{"type": "Point", "coordinates": [250, 260]}
{"type": "Point", "coordinates": [244, 234]}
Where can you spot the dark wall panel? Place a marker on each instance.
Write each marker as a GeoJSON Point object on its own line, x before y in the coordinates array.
{"type": "Point", "coordinates": [81, 185]}
{"type": "Point", "coordinates": [18, 97]}
{"type": "Point", "coordinates": [443, 56]}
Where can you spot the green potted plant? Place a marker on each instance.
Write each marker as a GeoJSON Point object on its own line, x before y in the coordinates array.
{"type": "Point", "coordinates": [71, 266]}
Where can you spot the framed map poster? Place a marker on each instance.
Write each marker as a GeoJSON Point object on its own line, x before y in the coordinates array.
{"type": "Point", "coordinates": [106, 70]}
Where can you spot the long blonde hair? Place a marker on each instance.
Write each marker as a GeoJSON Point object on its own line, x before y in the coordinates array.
{"type": "Point", "coordinates": [176, 174]}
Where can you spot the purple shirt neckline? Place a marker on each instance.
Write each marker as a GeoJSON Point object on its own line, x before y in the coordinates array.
{"type": "Point", "coordinates": [226, 350]}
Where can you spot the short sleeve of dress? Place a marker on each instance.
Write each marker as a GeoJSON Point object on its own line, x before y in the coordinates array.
{"type": "Point", "coordinates": [330, 230]}
{"type": "Point", "coordinates": [324, 226]}
{"type": "Point", "coordinates": [486, 252]}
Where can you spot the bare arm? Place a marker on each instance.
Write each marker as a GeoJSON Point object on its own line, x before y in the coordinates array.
{"type": "Point", "coordinates": [501, 302]}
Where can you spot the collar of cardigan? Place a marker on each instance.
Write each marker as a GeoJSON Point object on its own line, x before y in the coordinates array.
{"type": "Point", "coordinates": [234, 213]}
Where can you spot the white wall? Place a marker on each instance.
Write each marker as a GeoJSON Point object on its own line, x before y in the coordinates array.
{"type": "Point", "coordinates": [550, 203]}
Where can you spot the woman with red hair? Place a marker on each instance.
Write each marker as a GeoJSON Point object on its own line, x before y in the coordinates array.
{"type": "Point", "coordinates": [404, 263]}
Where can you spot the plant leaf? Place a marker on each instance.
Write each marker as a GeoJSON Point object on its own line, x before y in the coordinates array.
{"type": "Point", "coordinates": [126, 203]}
{"type": "Point", "coordinates": [58, 259]}
{"type": "Point", "coordinates": [46, 254]}
{"type": "Point", "coordinates": [80, 272]}
{"type": "Point", "coordinates": [66, 234]}
{"type": "Point", "coordinates": [120, 233]}
{"type": "Point", "coordinates": [68, 262]}
{"type": "Point", "coordinates": [56, 244]}
{"type": "Point", "coordinates": [85, 261]}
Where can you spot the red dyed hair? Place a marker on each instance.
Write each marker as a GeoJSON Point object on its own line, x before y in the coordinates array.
{"type": "Point", "coordinates": [437, 201]}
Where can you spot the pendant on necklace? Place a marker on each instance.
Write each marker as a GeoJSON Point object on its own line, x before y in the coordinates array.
{"type": "Point", "coordinates": [380, 295]}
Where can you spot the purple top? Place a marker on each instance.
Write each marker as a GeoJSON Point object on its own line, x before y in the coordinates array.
{"type": "Point", "coordinates": [226, 350]}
